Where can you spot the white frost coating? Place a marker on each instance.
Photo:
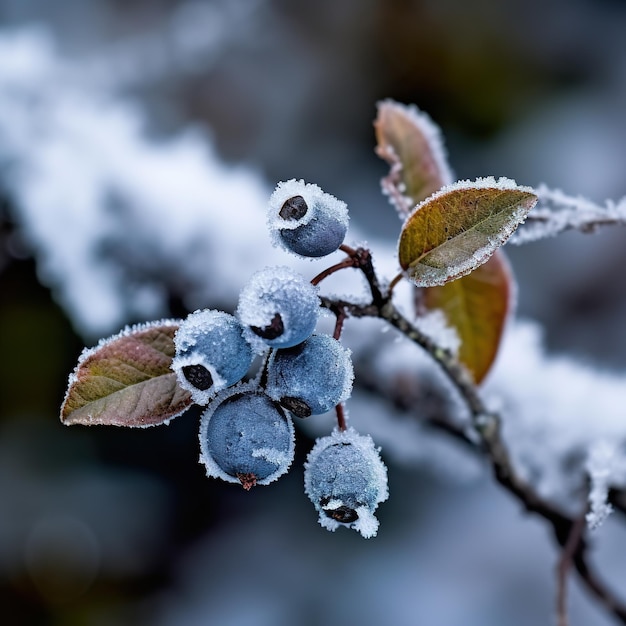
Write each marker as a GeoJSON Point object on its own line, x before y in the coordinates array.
{"type": "Point", "coordinates": [557, 212]}
{"type": "Point", "coordinates": [283, 291]}
{"type": "Point", "coordinates": [272, 455]}
{"type": "Point", "coordinates": [429, 276]}
{"type": "Point", "coordinates": [434, 325]}
{"type": "Point", "coordinates": [604, 463]}
{"type": "Point", "coordinates": [358, 483]}
{"type": "Point", "coordinates": [315, 198]}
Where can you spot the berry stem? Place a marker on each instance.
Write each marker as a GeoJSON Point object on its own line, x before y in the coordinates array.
{"type": "Point", "coordinates": [394, 282]}
{"type": "Point", "coordinates": [340, 318]}
{"type": "Point", "coordinates": [347, 262]}
{"type": "Point", "coordinates": [341, 417]}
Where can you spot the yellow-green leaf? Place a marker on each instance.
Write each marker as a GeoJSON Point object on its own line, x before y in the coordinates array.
{"type": "Point", "coordinates": [457, 229]}
{"type": "Point", "coordinates": [126, 380]}
{"type": "Point", "coordinates": [476, 306]}
{"type": "Point", "coordinates": [411, 143]}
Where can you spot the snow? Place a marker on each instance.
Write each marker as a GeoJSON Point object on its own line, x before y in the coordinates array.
{"type": "Point", "coordinates": [95, 195]}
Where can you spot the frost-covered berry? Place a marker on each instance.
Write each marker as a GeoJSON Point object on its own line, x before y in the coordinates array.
{"type": "Point", "coordinates": [346, 480]}
{"type": "Point", "coordinates": [305, 220]}
{"type": "Point", "coordinates": [312, 377]}
{"type": "Point", "coordinates": [211, 353]}
{"type": "Point", "coordinates": [246, 437]}
{"type": "Point", "coordinates": [279, 308]}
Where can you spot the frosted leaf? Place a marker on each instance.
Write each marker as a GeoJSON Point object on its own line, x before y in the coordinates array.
{"type": "Point", "coordinates": [346, 480]}
{"type": "Point", "coordinates": [126, 380]}
{"type": "Point", "coordinates": [278, 307]}
{"type": "Point", "coordinates": [245, 437]}
{"type": "Point", "coordinates": [459, 227]}
{"type": "Point", "coordinates": [413, 146]}
{"type": "Point", "coordinates": [211, 353]}
{"type": "Point", "coordinates": [306, 221]}
{"type": "Point", "coordinates": [312, 377]}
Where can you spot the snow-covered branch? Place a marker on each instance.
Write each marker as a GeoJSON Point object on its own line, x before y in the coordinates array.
{"type": "Point", "coordinates": [557, 212]}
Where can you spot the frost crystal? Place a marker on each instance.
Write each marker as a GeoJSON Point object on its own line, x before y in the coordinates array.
{"type": "Point", "coordinates": [346, 480]}
{"type": "Point", "coordinates": [601, 465]}
{"type": "Point", "coordinates": [557, 212]}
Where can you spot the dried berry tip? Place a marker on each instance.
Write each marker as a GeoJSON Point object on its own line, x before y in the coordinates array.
{"type": "Point", "coordinates": [247, 480]}
{"type": "Point", "coordinates": [198, 375]}
{"type": "Point", "coordinates": [296, 406]}
{"type": "Point", "coordinates": [343, 514]}
{"type": "Point", "coordinates": [274, 330]}
{"type": "Point", "coordinates": [294, 208]}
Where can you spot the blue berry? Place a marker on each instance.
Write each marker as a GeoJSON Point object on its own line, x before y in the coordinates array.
{"type": "Point", "coordinates": [312, 377]}
{"type": "Point", "coordinates": [211, 353]}
{"type": "Point", "coordinates": [305, 220]}
{"type": "Point", "coordinates": [279, 308]}
{"type": "Point", "coordinates": [346, 480]}
{"type": "Point", "coordinates": [246, 437]}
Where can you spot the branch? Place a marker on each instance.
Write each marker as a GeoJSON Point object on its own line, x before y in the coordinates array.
{"type": "Point", "coordinates": [557, 212]}
{"type": "Point", "coordinates": [486, 423]}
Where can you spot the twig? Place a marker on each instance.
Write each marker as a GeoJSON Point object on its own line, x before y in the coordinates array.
{"type": "Point", "coordinates": [558, 212]}
{"type": "Point", "coordinates": [565, 562]}
{"type": "Point", "coordinates": [486, 424]}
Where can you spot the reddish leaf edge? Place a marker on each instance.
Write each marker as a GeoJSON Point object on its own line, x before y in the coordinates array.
{"type": "Point", "coordinates": [391, 184]}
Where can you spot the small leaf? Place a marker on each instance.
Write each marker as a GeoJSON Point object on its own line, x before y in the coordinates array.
{"type": "Point", "coordinates": [411, 143]}
{"type": "Point", "coordinates": [126, 380]}
{"type": "Point", "coordinates": [477, 307]}
{"type": "Point", "coordinates": [460, 227]}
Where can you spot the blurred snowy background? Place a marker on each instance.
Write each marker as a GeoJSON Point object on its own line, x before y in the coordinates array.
{"type": "Point", "coordinates": [139, 142]}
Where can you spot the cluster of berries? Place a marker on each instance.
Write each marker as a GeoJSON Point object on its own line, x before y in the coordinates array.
{"type": "Point", "coordinates": [247, 432]}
